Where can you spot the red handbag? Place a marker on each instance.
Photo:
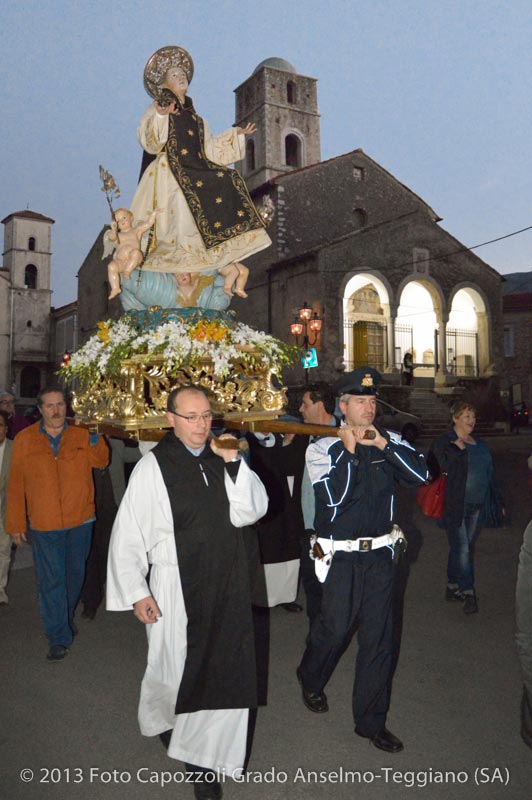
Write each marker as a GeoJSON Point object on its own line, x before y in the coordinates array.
{"type": "Point", "coordinates": [431, 496]}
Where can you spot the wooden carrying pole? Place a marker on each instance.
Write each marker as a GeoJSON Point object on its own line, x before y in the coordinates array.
{"type": "Point", "coordinates": [255, 425]}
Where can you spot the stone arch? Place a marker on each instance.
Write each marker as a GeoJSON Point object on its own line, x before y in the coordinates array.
{"type": "Point", "coordinates": [419, 322]}
{"type": "Point", "coordinates": [250, 156]}
{"type": "Point", "coordinates": [469, 331]}
{"type": "Point", "coordinates": [366, 321]}
{"type": "Point", "coordinates": [294, 151]}
{"type": "Point", "coordinates": [291, 92]}
{"type": "Point", "coordinates": [30, 276]}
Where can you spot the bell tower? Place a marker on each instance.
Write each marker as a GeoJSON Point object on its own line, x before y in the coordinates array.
{"type": "Point", "coordinates": [27, 266]}
{"type": "Point", "coordinates": [284, 107]}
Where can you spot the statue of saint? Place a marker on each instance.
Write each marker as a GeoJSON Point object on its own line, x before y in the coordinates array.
{"type": "Point", "coordinates": [207, 223]}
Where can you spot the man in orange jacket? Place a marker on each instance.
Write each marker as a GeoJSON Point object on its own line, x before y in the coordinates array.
{"type": "Point", "coordinates": [51, 496]}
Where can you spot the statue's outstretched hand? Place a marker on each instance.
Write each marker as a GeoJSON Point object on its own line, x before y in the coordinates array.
{"type": "Point", "coordinates": [248, 130]}
{"type": "Point", "coordinates": [165, 110]}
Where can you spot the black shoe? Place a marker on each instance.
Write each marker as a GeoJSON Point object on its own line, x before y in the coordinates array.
{"type": "Point", "coordinates": [384, 740]}
{"type": "Point", "coordinates": [470, 604]}
{"type": "Point", "coordinates": [57, 652]}
{"type": "Point", "coordinates": [293, 608]}
{"type": "Point", "coordinates": [207, 790]}
{"type": "Point", "coordinates": [88, 613]}
{"type": "Point", "coordinates": [314, 701]}
{"type": "Point", "coordinates": [454, 594]}
{"type": "Point", "coordinates": [165, 737]}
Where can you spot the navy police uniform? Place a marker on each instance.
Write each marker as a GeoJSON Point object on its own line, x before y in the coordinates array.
{"type": "Point", "coordinates": [354, 501]}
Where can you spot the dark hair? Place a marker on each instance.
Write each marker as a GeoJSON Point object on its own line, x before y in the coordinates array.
{"type": "Point", "coordinates": [321, 391]}
{"type": "Point", "coordinates": [5, 416]}
{"type": "Point", "coordinates": [49, 390]}
{"type": "Point", "coordinates": [174, 394]}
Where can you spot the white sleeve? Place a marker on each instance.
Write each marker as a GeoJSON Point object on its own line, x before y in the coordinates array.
{"type": "Point", "coordinates": [226, 148]}
{"type": "Point", "coordinates": [143, 520]}
{"type": "Point", "coordinates": [247, 496]}
{"type": "Point", "coordinates": [152, 132]}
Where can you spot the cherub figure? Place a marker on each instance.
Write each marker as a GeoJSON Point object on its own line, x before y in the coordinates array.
{"type": "Point", "coordinates": [127, 255]}
{"type": "Point", "coordinates": [236, 276]}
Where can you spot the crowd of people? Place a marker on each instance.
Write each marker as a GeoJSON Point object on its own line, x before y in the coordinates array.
{"type": "Point", "coordinates": [205, 531]}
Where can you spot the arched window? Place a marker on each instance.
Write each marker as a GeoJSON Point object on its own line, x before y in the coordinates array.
{"type": "Point", "coordinates": [291, 92]}
{"type": "Point", "coordinates": [292, 148]}
{"type": "Point", "coordinates": [31, 243]}
{"type": "Point", "coordinates": [250, 155]}
{"type": "Point", "coordinates": [360, 217]}
{"type": "Point", "coordinates": [30, 277]}
{"type": "Point", "coordinates": [30, 382]}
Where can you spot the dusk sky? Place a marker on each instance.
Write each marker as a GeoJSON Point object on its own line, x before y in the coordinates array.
{"type": "Point", "coordinates": [438, 93]}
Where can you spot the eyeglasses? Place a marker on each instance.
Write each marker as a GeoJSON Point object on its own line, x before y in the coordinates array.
{"type": "Point", "coordinates": [193, 418]}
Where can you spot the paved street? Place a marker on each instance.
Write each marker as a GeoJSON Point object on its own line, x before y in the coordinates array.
{"type": "Point", "coordinates": [455, 699]}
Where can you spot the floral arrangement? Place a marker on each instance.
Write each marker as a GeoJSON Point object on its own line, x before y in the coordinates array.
{"type": "Point", "coordinates": [179, 342]}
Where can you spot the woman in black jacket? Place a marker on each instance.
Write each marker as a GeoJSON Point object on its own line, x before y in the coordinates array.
{"type": "Point", "coordinates": [468, 463]}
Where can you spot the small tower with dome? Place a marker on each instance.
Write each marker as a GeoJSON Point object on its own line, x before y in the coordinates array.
{"type": "Point", "coordinates": [25, 297]}
{"type": "Point", "coordinates": [284, 107]}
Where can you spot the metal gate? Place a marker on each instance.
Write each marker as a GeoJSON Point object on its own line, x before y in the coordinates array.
{"type": "Point", "coordinates": [404, 343]}
{"type": "Point", "coordinates": [462, 352]}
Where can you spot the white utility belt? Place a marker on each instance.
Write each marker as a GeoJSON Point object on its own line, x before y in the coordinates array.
{"type": "Point", "coordinates": [353, 545]}
{"type": "Point", "coordinates": [329, 547]}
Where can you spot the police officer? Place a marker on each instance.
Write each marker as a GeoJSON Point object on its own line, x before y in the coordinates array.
{"type": "Point", "coordinates": [353, 477]}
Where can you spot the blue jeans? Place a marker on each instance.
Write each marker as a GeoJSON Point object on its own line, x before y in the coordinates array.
{"type": "Point", "coordinates": [59, 558]}
{"type": "Point", "coordinates": [461, 542]}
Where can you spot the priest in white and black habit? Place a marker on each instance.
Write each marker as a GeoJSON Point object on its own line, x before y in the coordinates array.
{"type": "Point", "coordinates": [184, 514]}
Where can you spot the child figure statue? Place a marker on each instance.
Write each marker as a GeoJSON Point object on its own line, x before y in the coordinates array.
{"type": "Point", "coordinates": [236, 276]}
{"type": "Point", "coordinates": [127, 255]}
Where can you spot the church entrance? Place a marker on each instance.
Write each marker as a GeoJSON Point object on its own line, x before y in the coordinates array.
{"type": "Point", "coordinates": [368, 345]}
{"type": "Point", "coordinates": [365, 324]}
{"type": "Point", "coordinates": [416, 328]}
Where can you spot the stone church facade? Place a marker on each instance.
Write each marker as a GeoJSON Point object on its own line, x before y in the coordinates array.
{"type": "Point", "coordinates": [361, 249]}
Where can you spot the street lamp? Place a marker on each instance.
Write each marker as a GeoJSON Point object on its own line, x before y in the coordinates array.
{"type": "Point", "coordinates": [307, 324]}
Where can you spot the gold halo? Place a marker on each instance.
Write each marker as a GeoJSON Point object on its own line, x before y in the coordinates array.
{"type": "Point", "coordinates": [160, 62]}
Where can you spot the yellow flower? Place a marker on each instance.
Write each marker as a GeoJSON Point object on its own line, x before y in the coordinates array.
{"type": "Point", "coordinates": [199, 183]}
{"type": "Point", "coordinates": [219, 200]}
{"type": "Point", "coordinates": [209, 331]}
{"type": "Point", "coordinates": [191, 133]}
{"type": "Point", "coordinates": [220, 174]}
{"type": "Point", "coordinates": [184, 151]}
{"type": "Point", "coordinates": [103, 332]}
{"type": "Point", "coordinates": [240, 213]}
{"type": "Point", "coordinates": [217, 224]}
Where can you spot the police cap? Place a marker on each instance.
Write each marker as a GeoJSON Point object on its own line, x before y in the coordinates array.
{"type": "Point", "coordinates": [361, 381]}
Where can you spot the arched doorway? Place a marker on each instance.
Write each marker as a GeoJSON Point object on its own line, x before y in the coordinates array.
{"type": "Point", "coordinates": [416, 330]}
{"type": "Point", "coordinates": [30, 382]}
{"type": "Point", "coordinates": [366, 323]}
{"type": "Point", "coordinates": [467, 334]}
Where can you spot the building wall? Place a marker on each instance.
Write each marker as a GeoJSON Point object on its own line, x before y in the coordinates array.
{"type": "Point", "coordinates": [318, 244]}
{"type": "Point", "coordinates": [518, 359]}
{"type": "Point", "coordinates": [93, 291]}
{"type": "Point", "coordinates": [5, 332]}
